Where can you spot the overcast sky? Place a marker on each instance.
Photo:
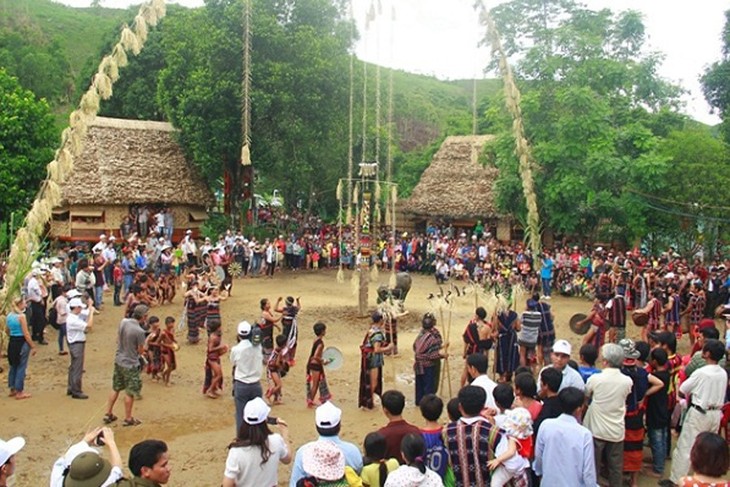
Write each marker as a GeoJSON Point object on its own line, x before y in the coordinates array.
{"type": "Point", "coordinates": [439, 37]}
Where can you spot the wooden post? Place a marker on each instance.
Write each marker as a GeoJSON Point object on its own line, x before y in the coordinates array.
{"type": "Point", "coordinates": [364, 254]}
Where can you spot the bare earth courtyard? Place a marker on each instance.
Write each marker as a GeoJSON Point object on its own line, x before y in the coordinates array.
{"type": "Point", "coordinates": [198, 429]}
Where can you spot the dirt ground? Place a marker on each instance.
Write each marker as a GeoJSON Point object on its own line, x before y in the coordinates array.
{"type": "Point", "coordinates": [198, 429]}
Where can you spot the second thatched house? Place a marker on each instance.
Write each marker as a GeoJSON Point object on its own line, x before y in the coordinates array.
{"type": "Point", "coordinates": [127, 165]}
{"type": "Point", "coordinates": [455, 188]}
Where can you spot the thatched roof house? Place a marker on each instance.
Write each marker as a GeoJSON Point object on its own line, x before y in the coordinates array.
{"type": "Point", "coordinates": [127, 164]}
{"type": "Point", "coordinates": [456, 188]}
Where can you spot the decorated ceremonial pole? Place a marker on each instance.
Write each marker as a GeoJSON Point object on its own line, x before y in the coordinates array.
{"type": "Point", "coordinates": [368, 173]}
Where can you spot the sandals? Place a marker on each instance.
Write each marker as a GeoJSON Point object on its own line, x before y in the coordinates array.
{"type": "Point", "coordinates": [109, 418]}
{"type": "Point", "coordinates": [131, 422]}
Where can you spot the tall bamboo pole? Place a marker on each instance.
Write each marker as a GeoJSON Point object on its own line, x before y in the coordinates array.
{"type": "Point", "coordinates": [522, 146]}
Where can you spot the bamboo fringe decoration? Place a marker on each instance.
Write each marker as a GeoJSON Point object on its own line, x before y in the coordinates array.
{"type": "Point", "coordinates": [53, 171]}
{"type": "Point", "coordinates": [77, 121]}
{"type": "Point", "coordinates": [26, 246]}
{"type": "Point", "coordinates": [75, 143]}
{"type": "Point", "coordinates": [394, 195]}
{"type": "Point", "coordinates": [65, 161]}
{"type": "Point", "coordinates": [388, 219]}
{"type": "Point", "coordinates": [140, 28]}
{"type": "Point", "coordinates": [90, 102]}
{"type": "Point", "coordinates": [120, 55]}
{"type": "Point", "coordinates": [354, 196]}
{"type": "Point", "coordinates": [103, 85]}
{"type": "Point", "coordinates": [338, 191]}
{"type": "Point", "coordinates": [377, 191]}
{"type": "Point", "coordinates": [355, 282]}
{"type": "Point", "coordinates": [130, 41]}
{"type": "Point", "coordinates": [349, 215]}
{"type": "Point", "coordinates": [522, 146]}
{"type": "Point", "coordinates": [53, 192]}
{"type": "Point", "coordinates": [374, 273]}
{"type": "Point", "coordinates": [377, 215]}
{"type": "Point", "coordinates": [149, 14]}
{"type": "Point", "coordinates": [160, 8]}
{"type": "Point", "coordinates": [245, 155]}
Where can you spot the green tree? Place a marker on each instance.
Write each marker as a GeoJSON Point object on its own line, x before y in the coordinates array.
{"type": "Point", "coordinates": [594, 109]}
{"type": "Point", "coordinates": [299, 87]}
{"type": "Point", "coordinates": [27, 138]}
{"type": "Point", "coordinates": [716, 81]}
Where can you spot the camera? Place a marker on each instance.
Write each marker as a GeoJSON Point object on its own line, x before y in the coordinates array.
{"type": "Point", "coordinates": [272, 420]}
{"type": "Point", "coordinates": [99, 440]}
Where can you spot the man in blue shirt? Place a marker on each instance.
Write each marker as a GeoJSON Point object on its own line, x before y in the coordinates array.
{"type": "Point", "coordinates": [546, 274]}
{"type": "Point", "coordinates": [564, 448]}
{"type": "Point", "coordinates": [327, 419]}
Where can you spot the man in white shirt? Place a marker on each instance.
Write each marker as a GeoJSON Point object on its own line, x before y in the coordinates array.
{"type": "Point", "coordinates": [34, 297]}
{"type": "Point", "coordinates": [77, 327]}
{"type": "Point", "coordinates": [82, 461]}
{"type": "Point", "coordinates": [560, 357]}
{"type": "Point", "coordinates": [100, 245]}
{"type": "Point", "coordinates": [189, 248]}
{"type": "Point", "coordinates": [247, 360]}
{"type": "Point", "coordinates": [707, 387]}
{"type": "Point", "coordinates": [563, 448]}
{"type": "Point", "coordinates": [605, 415]}
{"type": "Point", "coordinates": [476, 367]}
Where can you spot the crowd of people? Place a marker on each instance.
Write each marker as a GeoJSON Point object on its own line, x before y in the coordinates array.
{"type": "Point", "coordinates": [545, 419]}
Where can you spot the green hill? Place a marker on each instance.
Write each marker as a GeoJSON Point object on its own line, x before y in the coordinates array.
{"type": "Point", "coordinates": [46, 44]}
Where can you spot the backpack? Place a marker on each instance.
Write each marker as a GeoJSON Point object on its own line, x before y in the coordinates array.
{"type": "Point", "coordinates": [257, 334]}
{"type": "Point", "coordinates": [53, 317]}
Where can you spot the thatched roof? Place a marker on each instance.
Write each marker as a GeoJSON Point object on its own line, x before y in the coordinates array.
{"type": "Point", "coordinates": [131, 162]}
{"type": "Point", "coordinates": [455, 185]}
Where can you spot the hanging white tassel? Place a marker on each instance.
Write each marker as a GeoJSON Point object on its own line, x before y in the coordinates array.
{"type": "Point", "coordinates": [129, 40]}
{"type": "Point", "coordinates": [90, 102]}
{"type": "Point", "coordinates": [245, 155]}
{"type": "Point", "coordinates": [374, 273]}
{"type": "Point", "coordinates": [120, 55]}
{"type": "Point", "coordinates": [340, 275]}
{"type": "Point", "coordinates": [338, 191]}
{"type": "Point", "coordinates": [140, 26]}
{"type": "Point", "coordinates": [103, 85]}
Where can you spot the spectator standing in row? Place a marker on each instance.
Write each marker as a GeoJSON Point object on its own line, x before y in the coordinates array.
{"type": "Point", "coordinates": [605, 416]}
{"type": "Point", "coordinates": [706, 393]}
{"type": "Point", "coordinates": [560, 358]}
{"type": "Point", "coordinates": [77, 326]}
{"type": "Point", "coordinates": [328, 420]}
{"type": "Point", "coordinates": [8, 450]}
{"type": "Point", "coordinates": [564, 452]}
{"type": "Point", "coordinates": [130, 346]}
{"type": "Point", "coordinates": [247, 359]}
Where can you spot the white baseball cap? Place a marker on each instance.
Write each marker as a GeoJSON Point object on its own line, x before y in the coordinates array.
{"type": "Point", "coordinates": [73, 293]}
{"type": "Point", "coordinates": [76, 303]}
{"type": "Point", "coordinates": [256, 411]}
{"type": "Point", "coordinates": [327, 415]}
{"type": "Point", "coordinates": [562, 346]}
{"type": "Point", "coordinates": [10, 448]}
{"type": "Point", "coordinates": [244, 328]}
{"type": "Point", "coordinates": [102, 236]}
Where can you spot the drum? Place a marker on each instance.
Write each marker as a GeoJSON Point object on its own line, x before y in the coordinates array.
{"type": "Point", "coordinates": [220, 274]}
{"type": "Point", "coordinates": [582, 329]}
{"type": "Point", "coordinates": [639, 319]}
{"type": "Point", "coordinates": [332, 358]}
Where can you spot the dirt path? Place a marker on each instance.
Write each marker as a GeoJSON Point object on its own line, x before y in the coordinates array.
{"type": "Point", "coordinates": [198, 429]}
